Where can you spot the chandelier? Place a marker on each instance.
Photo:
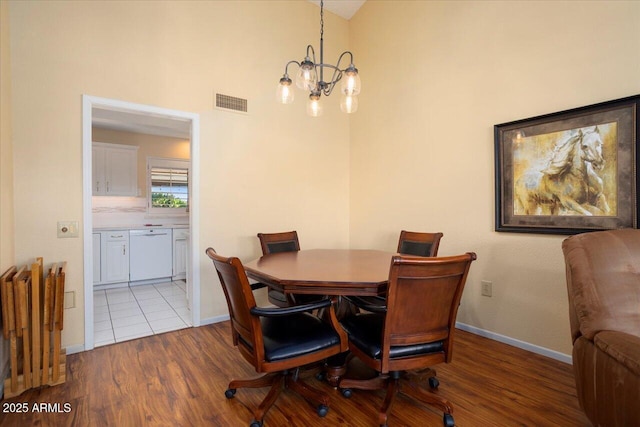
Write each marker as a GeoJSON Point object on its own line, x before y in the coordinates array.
{"type": "Point", "coordinates": [311, 78]}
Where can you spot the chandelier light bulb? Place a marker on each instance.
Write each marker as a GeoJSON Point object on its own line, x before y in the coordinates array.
{"type": "Point", "coordinates": [314, 107]}
{"type": "Point", "coordinates": [285, 94]}
{"type": "Point", "coordinates": [307, 78]}
{"type": "Point", "coordinates": [349, 104]}
{"type": "Point", "coordinates": [351, 81]}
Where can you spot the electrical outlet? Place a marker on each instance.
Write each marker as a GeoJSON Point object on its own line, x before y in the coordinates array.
{"type": "Point", "coordinates": [486, 288]}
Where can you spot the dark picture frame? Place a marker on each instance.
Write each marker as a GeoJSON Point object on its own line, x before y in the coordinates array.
{"type": "Point", "coordinates": [569, 172]}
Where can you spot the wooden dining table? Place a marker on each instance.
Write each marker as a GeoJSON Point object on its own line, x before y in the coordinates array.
{"type": "Point", "coordinates": [335, 272]}
{"type": "Point", "coordinates": [330, 272]}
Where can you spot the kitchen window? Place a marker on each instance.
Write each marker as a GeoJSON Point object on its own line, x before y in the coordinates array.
{"type": "Point", "coordinates": [168, 184]}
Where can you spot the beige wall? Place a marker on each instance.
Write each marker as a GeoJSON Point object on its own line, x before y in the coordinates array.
{"type": "Point", "coordinates": [418, 154]}
{"type": "Point", "coordinates": [6, 146]}
{"type": "Point", "coordinates": [271, 169]}
{"type": "Point", "coordinates": [434, 84]}
{"type": "Point", "coordinates": [6, 163]}
{"type": "Point", "coordinates": [148, 146]}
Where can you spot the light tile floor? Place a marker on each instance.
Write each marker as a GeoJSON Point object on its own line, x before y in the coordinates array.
{"type": "Point", "coordinates": [123, 314]}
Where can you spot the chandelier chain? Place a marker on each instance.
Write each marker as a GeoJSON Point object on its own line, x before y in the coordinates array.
{"type": "Point", "coordinates": [321, 19]}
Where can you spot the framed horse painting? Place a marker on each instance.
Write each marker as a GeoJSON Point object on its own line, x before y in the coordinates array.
{"type": "Point", "coordinates": [569, 172]}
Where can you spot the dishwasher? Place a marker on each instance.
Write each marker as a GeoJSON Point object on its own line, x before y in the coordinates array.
{"type": "Point", "coordinates": [150, 254]}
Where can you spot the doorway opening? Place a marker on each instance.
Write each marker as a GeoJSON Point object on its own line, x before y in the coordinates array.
{"type": "Point", "coordinates": [146, 119]}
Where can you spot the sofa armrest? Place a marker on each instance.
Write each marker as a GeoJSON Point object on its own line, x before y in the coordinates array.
{"type": "Point", "coordinates": [623, 347]}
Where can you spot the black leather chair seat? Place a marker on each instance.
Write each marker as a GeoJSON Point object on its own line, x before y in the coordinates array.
{"type": "Point", "coordinates": [365, 332]}
{"type": "Point", "coordinates": [295, 335]}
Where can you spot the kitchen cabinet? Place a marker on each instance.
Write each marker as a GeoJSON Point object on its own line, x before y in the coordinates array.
{"type": "Point", "coordinates": [180, 245]}
{"type": "Point", "coordinates": [114, 169]}
{"type": "Point", "coordinates": [137, 256]}
{"type": "Point", "coordinates": [114, 256]}
{"type": "Point", "coordinates": [96, 258]}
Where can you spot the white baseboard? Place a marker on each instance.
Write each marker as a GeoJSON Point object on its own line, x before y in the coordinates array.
{"type": "Point", "coordinates": [215, 319]}
{"type": "Point", "coordinates": [74, 349]}
{"type": "Point", "coordinates": [566, 358]}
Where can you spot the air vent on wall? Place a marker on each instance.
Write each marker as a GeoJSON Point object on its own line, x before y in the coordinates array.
{"type": "Point", "coordinates": [232, 103]}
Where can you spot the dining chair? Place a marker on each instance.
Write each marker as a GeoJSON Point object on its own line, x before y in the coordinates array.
{"type": "Point", "coordinates": [409, 243]}
{"type": "Point", "coordinates": [414, 332]}
{"type": "Point", "coordinates": [287, 241]}
{"type": "Point", "coordinates": [276, 341]}
{"type": "Point", "coordinates": [418, 243]}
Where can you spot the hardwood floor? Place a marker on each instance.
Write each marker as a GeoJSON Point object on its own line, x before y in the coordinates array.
{"type": "Point", "coordinates": [179, 378]}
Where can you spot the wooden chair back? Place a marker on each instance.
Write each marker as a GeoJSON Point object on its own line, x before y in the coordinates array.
{"type": "Point", "coordinates": [422, 303]}
{"type": "Point", "coordinates": [245, 327]}
{"type": "Point", "coordinates": [419, 244]}
{"type": "Point", "coordinates": [279, 242]}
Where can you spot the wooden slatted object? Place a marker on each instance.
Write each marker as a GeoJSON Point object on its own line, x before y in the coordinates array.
{"type": "Point", "coordinates": [21, 295]}
{"type": "Point", "coordinates": [36, 304]}
{"type": "Point", "coordinates": [33, 310]}
{"type": "Point", "coordinates": [46, 325]}
{"type": "Point", "coordinates": [9, 326]}
{"type": "Point", "coordinates": [58, 310]}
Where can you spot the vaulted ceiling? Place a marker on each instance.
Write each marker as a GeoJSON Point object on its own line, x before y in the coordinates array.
{"type": "Point", "coordinates": [343, 8]}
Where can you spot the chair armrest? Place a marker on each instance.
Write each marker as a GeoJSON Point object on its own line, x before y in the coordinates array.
{"type": "Point", "coordinates": [257, 285]}
{"type": "Point", "coordinates": [372, 304]}
{"type": "Point", "coordinates": [275, 312]}
{"type": "Point", "coordinates": [622, 347]}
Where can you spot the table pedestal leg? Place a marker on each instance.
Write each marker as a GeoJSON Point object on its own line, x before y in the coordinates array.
{"type": "Point", "coordinates": [336, 367]}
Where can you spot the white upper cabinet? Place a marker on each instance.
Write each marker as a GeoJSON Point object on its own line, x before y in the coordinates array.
{"type": "Point", "coordinates": [114, 170]}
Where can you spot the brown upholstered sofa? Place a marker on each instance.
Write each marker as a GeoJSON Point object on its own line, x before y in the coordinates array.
{"type": "Point", "coordinates": [603, 281]}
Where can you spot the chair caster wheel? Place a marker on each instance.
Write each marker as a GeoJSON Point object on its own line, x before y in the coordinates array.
{"type": "Point", "coordinates": [230, 393]}
{"type": "Point", "coordinates": [255, 423]}
{"type": "Point", "coordinates": [448, 420]}
{"type": "Point", "coordinates": [346, 392]}
{"type": "Point", "coordinates": [323, 410]}
{"type": "Point", "coordinates": [434, 383]}
{"type": "Point", "coordinates": [320, 376]}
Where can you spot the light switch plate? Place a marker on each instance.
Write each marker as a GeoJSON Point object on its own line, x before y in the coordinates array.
{"type": "Point", "coordinates": [486, 288]}
{"type": "Point", "coordinates": [68, 229]}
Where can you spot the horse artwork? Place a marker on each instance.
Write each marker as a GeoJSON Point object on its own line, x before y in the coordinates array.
{"type": "Point", "coordinates": [566, 173]}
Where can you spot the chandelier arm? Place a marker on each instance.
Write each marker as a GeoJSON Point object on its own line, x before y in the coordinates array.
{"type": "Point", "coordinates": [329, 66]}
{"type": "Point", "coordinates": [313, 53]}
{"type": "Point", "coordinates": [346, 52]}
{"type": "Point", "coordinates": [328, 89]}
{"type": "Point", "coordinates": [335, 78]}
{"type": "Point", "coordinates": [286, 67]}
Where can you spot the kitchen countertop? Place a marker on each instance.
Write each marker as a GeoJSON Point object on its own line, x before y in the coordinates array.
{"type": "Point", "coordinates": [140, 227]}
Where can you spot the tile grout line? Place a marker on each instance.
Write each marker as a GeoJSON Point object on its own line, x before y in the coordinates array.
{"type": "Point", "coordinates": [122, 339]}
{"type": "Point", "coordinates": [171, 305]}
{"type": "Point", "coordinates": [142, 309]}
{"type": "Point", "coordinates": [144, 314]}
